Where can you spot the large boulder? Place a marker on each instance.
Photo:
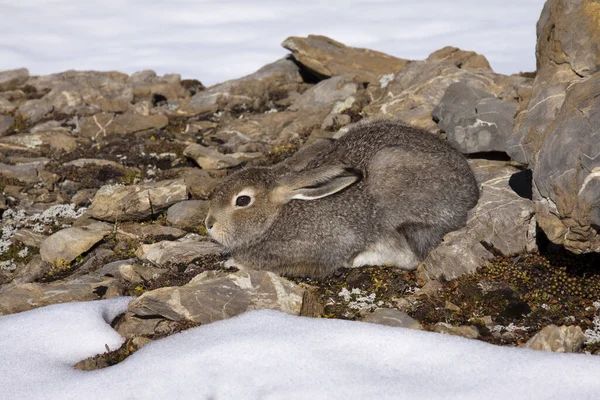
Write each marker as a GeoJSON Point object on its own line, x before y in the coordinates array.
{"type": "Point", "coordinates": [564, 55]}
{"type": "Point", "coordinates": [475, 120]}
{"type": "Point", "coordinates": [566, 176]}
{"type": "Point", "coordinates": [325, 58]}
{"type": "Point", "coordinates": [10, 80]}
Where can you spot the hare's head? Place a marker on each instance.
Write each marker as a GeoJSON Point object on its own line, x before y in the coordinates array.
{"type": "Point", "coordinates": [249, 201]}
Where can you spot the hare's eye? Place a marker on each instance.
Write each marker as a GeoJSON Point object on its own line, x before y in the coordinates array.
{"type": "Point", "coordinates": [242, 201]}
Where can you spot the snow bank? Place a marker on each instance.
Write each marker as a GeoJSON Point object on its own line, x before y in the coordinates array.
{"type": "Point", "coordinates": [269, 355]}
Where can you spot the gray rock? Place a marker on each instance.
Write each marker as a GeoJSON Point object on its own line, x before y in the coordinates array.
{"type": "Point", "coordinates": [125, 203]}
{"type": "Point", "coordinates": [252, 92]}
{"type": "Point", "coordinates": [211, 296]}
{"type": "Point", "coordinates": [6, 106]}
{"type": "Point", "coordinates": [188, 214]}
{"type": "Point", "coordinates": [532, 125]}
{"type": "Point", "coordinates": [566, 185]}
{"type": "Point", "coordinates": [324, 94]}
{"type": "Point", "coordinates": [412, 94]}
{"type": "Point", "coordinates": [467, 331]}
{"type": "Point", "coordinates": [22, 297]}
{"type": "Point", "coordinates": [558, 339]}
{"type": "Point", "coordinates": [474, 120]}
{"type": "Point", "coordinates": [131, 271]}
{"type": "Point", "coordinates": [177, 252]}
{"type": "Point", "coordinates": [57, 139]}
{"type": "Point", "coordinates": [210, 159]}
{"type": "Point", "coordinates": [26, 172]}
{"type": "Point", "coordinates": [199, 183]}
{"type": "Point", "coordinates": [35, 269]}
{"type": "Point", "coordinates": [35, 110]}
{"type": "Point", "coordinates": [501, 218]}
{"type": "Point", "coordinates": [326, 58]}
{"type": "Point", "coordinates": [102, 125]}
{"type": "Point", "coordinates": [149, 232]}
{"type": "Point", "coordinates": [29, 238]}
{"type": "Point", "coordinates": [392, 317]}
{"type": "Point", "coordinates": [6, 122]}
{"type": "Point", "coordinates": [66, 245]}
{"type": "Point", "coordinates": [13, 79]}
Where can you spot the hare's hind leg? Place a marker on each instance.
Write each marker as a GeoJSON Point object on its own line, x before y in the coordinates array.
{"type": "Point", "coordinates": [394, 251]}
{"type": "Point", "coordinates": [421, 238]}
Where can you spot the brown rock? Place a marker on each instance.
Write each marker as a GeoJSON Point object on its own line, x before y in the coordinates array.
{"type": "Point", "coordinates": [6, 122]}
{"type": "Point", "coordinates": [563, 339]}
{"type": "Point", "coordinates": [326, 58]}
{"type": "Point", "coordinates": [102, 125]}
{"type": "Point", "coordinates": [392, 317]}
{"type": "Point", "coordinates": [10, 80]}
{"type": "Point", "coordinates": [467, 331]}
{"type": "Point", "coordinates": [188, 214]}
{"type": "Point", "coordinates": [66, 245]}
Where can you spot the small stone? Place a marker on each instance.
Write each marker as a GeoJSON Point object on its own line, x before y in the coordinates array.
{"type": "Point", "coordinates": [451, 306]}
{"type": "Point", "coordinates": [563, 339]}
{"type": "Point", "coordinates": [166, 252]}
{"type": "Point", "coordinates": [392, 317]}
{"type": "Point", "coordinates": [125, 203]}
{"type": "Point", "coordinates": [188, 214]}
{"type": "Point", "coordinates": [467, 331]}
{"type": "Point", "coordinates": [66, 245]}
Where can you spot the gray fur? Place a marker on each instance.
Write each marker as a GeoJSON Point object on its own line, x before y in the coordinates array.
{"type": "Point", "coordinates": [404, 187]}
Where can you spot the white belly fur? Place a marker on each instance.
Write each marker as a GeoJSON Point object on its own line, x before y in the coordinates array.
{"type": "Point", "coordinates": [386, 253]}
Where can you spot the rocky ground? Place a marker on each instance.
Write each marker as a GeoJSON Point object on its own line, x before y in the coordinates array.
{"type": "Point", "coordinates": [105, 177]}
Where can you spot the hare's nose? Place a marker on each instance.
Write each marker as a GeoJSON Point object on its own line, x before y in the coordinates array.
{"type": "Point", "coordinates": [209, 222]}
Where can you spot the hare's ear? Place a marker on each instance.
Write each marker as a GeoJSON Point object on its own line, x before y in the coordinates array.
{"type": "Point", "coordinates": [317, 183]}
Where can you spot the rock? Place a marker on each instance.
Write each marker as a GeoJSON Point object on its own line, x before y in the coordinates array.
{"type": "Point", "coordinates": [474, 120]}
{"type": "Point", "coordinates": [101, 125]}
{"type": "Point", "coordinates": [25, 172]}
{"type": "Point", "coordinates": [199, 183]}
{"type": "Point", "coordinates": [29, 238]}
{"type": "Point", "coordinates": [6, 106]}
{"type": "Point", "coordinates": [467, 331]}
{"type": "Point", "coordinates": [563, 339]}
{"type": "Point", "coordinates": [150, 232]}
{"type": "Point", "coordinates": [66, 245]}
{"type": "Point", "coordinates": [462, 59]}
{"type": "Point", "coordinates": [210, 159]}
{"type": "Point", "coordinates": [256, 91]}
{"type": "Point", "coordinates": [335, 121]}
{"type": "Point", "coordinates": [35, 110]}
{"type": "Point", "coordinates": [167, 252]}
{"type": "Point", "coordinates": [211, 296]}
{"type": "Point", "coordinates": [35, 269]}
{"type": "Point", "coordinates": [532, 124]}
{"type": "Point", "coordinates": [325, 58]}
{"type": "Point", "coordinates": [57, 139]}
{"type": "Point", "coordinates": [566, 185]}
{"type": "Point", "coordinates": [126, 203]}
{"type": "Point", "coordinates": [131, 271]}
{"type": "Point", "coordinates": [13, 79]}
{"type": "Point", "coordinates": [501, 219]}
{"type": "Point", "coordinates": [412, 94]}
{"type": "Point", "coordinates": [147, 86]}
{"type": "Point", "coordinates": [82, 162]}
{"type": "Point", "coordinates": [188, 214]}
{"type": "Point", "coordinates": [6, 122]}
{"type": "Point", "coordinates": [324, 94]}
{"type": "Point", "coordinates": [392, 317]}
{"type": "Point", "coordinates": [563, 58]}
{"type": "Point", "coordinates": [26, 296]}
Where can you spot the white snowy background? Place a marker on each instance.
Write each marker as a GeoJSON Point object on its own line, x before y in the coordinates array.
{"type": "Point", "coordinates": [216, 40]}
{"type": "Point", "coordinates": [262, 354]}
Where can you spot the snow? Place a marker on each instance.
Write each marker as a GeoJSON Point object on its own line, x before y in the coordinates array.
{"type": "Point", "coordinates": [216, 40]}
{"type": "Point", "coordinates": [269, 355]}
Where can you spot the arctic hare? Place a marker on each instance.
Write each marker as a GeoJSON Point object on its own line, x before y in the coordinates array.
{"type": "Point", "coordinates": [385, 193]}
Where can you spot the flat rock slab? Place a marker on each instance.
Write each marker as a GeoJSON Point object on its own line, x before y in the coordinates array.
{"type": "Point", "coordinates": [23, 297]}
{"type": "Point", "coordinates": [559, 339]}
{"type": "Point", "coordinates": [102, 125]}
{"type": "Point", "coordinates": [135, 202]}
{"type": "Point", "coordinates": [167, 252]}
{"type": "Point", "coordinates": [66, 245]}
{"type": "Point", "coordinates": [210, 159]}
{"type": "Point", "coordinates": [212, 296]}
{"type": "Point", "coordinates": [326, 57]}
{"type": "Point", "coordinates": [131, 271]}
